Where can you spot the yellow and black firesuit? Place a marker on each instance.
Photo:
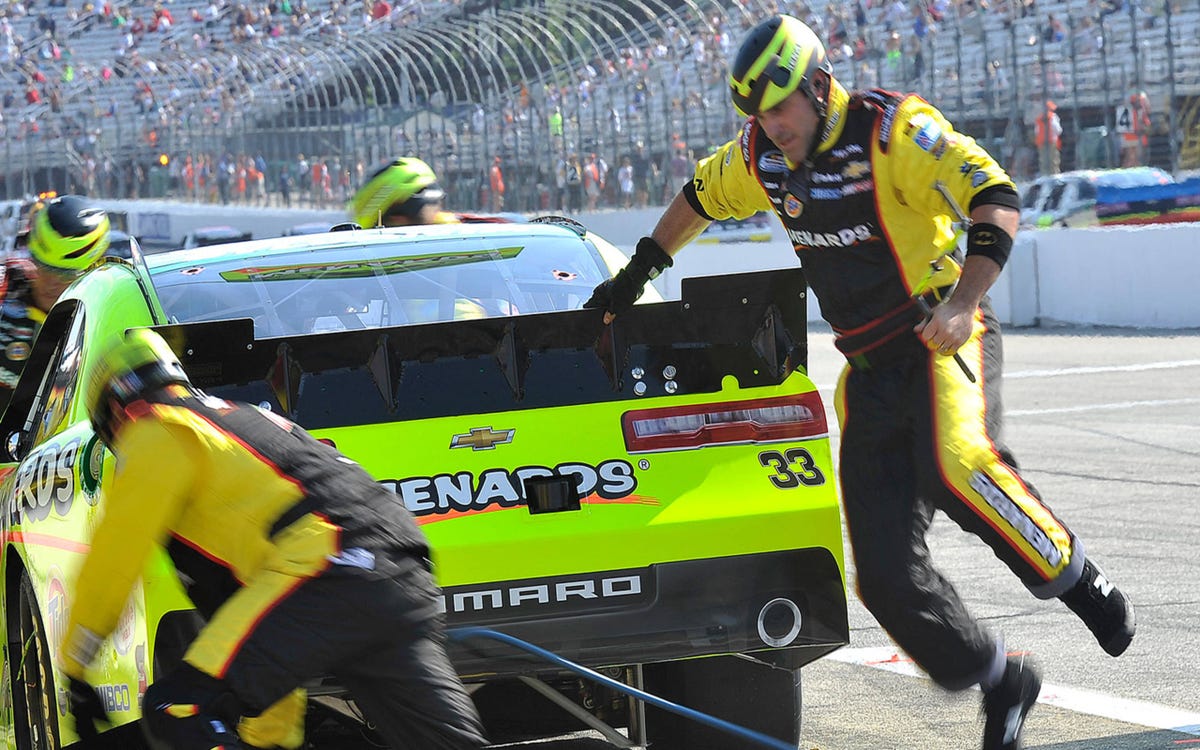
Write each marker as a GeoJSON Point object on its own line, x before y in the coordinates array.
{"type": "Point", "coordinates": [302, 565]}
{"type": "Point", "coordinates": [869, 225]}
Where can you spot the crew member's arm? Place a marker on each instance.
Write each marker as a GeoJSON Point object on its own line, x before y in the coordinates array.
{"type": "Point", "coordinates": [722, 187]}
{"type": "Point", "coordinates": [155, 466]}
{"type": "Point", "coordinates": [952, 321]}
{"type": "Point", "coordinates": [926, 153]}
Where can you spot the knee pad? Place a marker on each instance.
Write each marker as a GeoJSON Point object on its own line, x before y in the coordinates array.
{"type": "Point", "coordinates": [190, 710]}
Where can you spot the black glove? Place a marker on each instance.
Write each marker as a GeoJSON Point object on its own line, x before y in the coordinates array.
{"type": "Point", "coordinates": [87, 708]}
{"type": "Point", "coordinates": [617, 295]}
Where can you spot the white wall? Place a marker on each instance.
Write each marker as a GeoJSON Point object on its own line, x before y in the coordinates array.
{"type": "Point", "coordinates": [1142, 277]}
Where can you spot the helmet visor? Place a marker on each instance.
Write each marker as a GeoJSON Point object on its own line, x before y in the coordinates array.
{"type": "Point", "coordinates": [411, 208]}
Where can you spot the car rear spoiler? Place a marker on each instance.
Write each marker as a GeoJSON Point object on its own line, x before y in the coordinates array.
{"type": "Point", "coordinates": [752, 326]}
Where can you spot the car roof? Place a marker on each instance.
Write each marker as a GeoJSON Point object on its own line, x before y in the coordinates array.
{"type": "Point", "coordinates": [417, 239]}
{"type": "Point", "coordinates": [218, 231]}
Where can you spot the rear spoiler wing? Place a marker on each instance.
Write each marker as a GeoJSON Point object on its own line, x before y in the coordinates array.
{"type": "Point", "coordinates": [752, 326]}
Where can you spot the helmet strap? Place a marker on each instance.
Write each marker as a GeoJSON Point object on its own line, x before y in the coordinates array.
{"type": "Point", "coordinates": [817, 91]}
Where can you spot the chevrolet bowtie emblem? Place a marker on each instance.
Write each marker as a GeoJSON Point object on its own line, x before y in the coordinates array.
{"type": "Point", "coordinates": [482, 438]}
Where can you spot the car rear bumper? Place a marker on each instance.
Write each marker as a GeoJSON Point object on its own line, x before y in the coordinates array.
{"type": "Point", "coordinates": [786, 607]}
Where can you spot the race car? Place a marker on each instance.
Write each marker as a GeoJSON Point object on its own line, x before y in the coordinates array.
{"type": "Point", "coordinates": [654, 499]}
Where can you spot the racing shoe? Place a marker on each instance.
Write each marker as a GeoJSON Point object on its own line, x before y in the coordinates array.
{"type": "Point", "coordinates": [1106, 611]}
{"type": "Point", "coordinates": [1006, 704]}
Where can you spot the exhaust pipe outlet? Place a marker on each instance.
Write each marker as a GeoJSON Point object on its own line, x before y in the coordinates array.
{"type": "Point", "coordinates": [779, 622]}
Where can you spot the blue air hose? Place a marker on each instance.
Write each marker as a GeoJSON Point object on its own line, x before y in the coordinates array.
{"type": "Point", "coordinates": [465, 633]}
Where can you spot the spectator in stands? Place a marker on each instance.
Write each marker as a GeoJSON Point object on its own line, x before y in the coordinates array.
{"type": "Point", "coordinates": [591, 181]}
{"type": "Point", "coordinates": [1135, 134]}
{"type": "Point", "coordinates": [1048, 138]}
{"type": "Point", "coordinates": [645, 170]}
{"type": "Point", "coordinates": [625, 182]}
{"type": "Point", "coordinates": [496, 185]}
{"type": "Point", "coordinates": [574, 183]}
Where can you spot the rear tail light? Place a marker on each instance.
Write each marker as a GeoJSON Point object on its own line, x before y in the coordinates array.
{"type": "Point", "coordinates": [765, 420]}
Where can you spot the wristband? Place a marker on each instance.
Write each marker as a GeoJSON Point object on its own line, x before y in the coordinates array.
{"type": "Point", "coordinates": [650, 259]}
{"type": "Point", "coordinates": [990, 241]}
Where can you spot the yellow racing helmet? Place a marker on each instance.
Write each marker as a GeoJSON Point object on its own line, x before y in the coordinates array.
{"type": "Point", "coordinates": [402, 186]}
{"type": "Point", "coordinates": [68, 234]}
{"type": "Point", "coordinates": [778, 56]}
{"type": "Point", "coordinates": [131, 366]}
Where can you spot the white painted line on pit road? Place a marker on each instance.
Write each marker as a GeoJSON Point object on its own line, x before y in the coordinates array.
{"type": "Point", "coordinates": [1078, 700]}
{"type": "Point", "coordinates": [1101, 407]}
{"type": "Point", "coordinates": [1098, 370]}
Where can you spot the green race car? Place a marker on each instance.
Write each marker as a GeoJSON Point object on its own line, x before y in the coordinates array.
{"type": "Point", "coordinates": [654, 499]}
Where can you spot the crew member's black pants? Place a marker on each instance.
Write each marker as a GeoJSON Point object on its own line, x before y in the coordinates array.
{"type": "Point", "coordinates": [381, 639]}
{"type": "Point", "coordinates": [918, 436]}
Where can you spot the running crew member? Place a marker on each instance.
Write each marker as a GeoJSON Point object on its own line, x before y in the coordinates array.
{"type": "Point", "coordinates": [866, 185]}
{"type": "Point", "coordinates": [301, 564]}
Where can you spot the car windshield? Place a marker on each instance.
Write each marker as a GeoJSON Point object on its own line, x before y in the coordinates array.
{"type": "Point", "coordinates": [378, 285]}
{"type": "Point", "coordinates": [1055, 196]}
{"type": "Point", "coordinates": [1030, 199]}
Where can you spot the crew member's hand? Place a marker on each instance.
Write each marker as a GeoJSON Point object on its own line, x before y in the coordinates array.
{"type": "Point", "coordinates": [947, 328]}
{"type": "Point", "coordinates": [87, 708]}
{"type": "Point", "coordinates": [617, 295]}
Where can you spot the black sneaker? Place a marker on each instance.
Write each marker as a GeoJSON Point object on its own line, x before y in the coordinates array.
{"type": "Point", "coordinates": [1006, 705]}
{"type": "Point", "coordinates": [1106, 611]}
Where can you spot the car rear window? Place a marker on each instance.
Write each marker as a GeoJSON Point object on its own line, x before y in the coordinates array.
{"type": "Point", "coordinates": [382, 285]}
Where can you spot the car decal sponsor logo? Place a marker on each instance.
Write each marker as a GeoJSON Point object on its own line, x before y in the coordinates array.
{"type": "Point", "coordinates": [57, 608]}
{"type": "Point", "coordinates": [91, 468]}
{"type": "Point", "coordinates": [482, 438]}
{"type": "Point", "coordinates": [825, 178]}
{"type": "Point", "coordinates": [850, 149]}
{"type": "Point", "coordinates": [745, 143]}
{"type": "Point", "coordinates": [856, 170]}
{"type": "Point", "coordinates": [825, 194]}
{"type": "Point", "coordinates": [498, 488]}
{"type": "Point", "coordinates": [122, 635]}
{"type": "Point", "coordinates": [844, 237]}
{"type": "Point", "coordinates": [1016, 517]}
{"type": "Point", "coordinates": [772, 161]}
{"type": "Point", "coordinates": [548, 595]}
{"type": "Point", "coordinates": [792, 206]}
{"type": "Point", "coordinates": [45, 480]}
{"type": "Point", "coordinates": [368, 268]}
{"type": "Point", "coordinates": [939, 148]}
{"type": "Point", "coordinates": [115, 697]}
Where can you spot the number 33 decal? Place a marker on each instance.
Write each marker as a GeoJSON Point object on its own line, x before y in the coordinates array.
{"type": "Point", "coordinates": [793, 468]}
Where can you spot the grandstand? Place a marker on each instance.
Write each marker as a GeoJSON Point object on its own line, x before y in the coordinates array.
{"type": "Point", "coordinates": [179, 97]}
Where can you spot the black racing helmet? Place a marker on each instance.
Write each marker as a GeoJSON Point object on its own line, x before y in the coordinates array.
{"type": "Point", "coordinates": [778, 56]}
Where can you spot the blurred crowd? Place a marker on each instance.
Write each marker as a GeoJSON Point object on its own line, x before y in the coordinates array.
{"type": "Point", "coordinates": [601, 129]}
